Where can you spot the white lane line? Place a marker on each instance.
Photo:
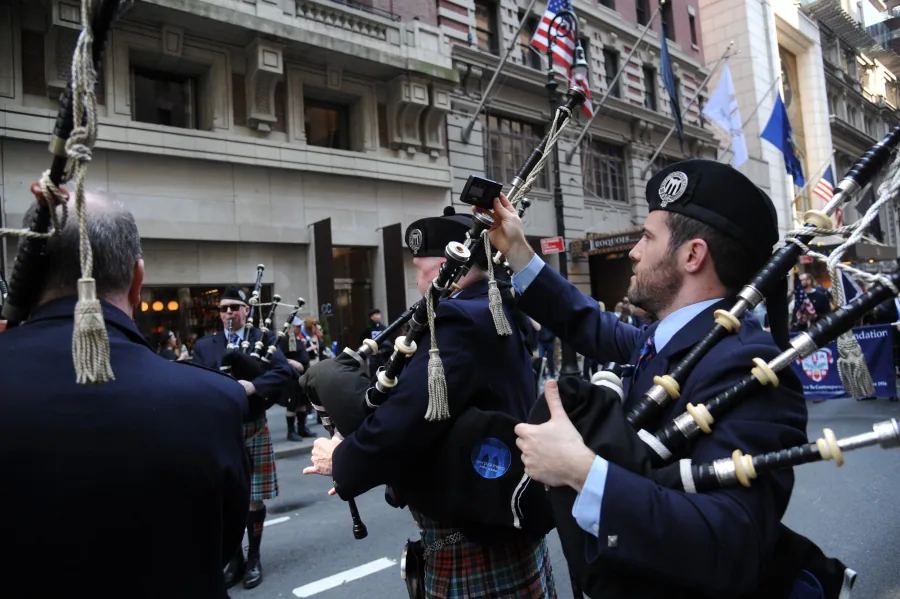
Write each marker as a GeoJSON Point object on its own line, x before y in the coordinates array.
{"type": "Point", "coordinates": [276, 521]}
{"type": "Point", "coordinates": [313, 588]}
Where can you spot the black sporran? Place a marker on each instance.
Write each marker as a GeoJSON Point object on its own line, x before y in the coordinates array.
{"type": "Point", "coordinates": [412, 569]}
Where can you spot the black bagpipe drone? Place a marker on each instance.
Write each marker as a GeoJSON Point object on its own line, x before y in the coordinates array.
{"type": "Point", "coordinates": [343, 412]}
{"type": "Point", "coordinates": [597, 412]}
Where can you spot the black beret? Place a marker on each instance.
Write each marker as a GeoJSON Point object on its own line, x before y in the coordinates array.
{"type": "Point", "coordinates": [428, 237]}
{"type": "Point", "coordinates": [235, 293]}
{"type": "Point", "coordinates": [720, 196]}
{"type": "Point", "coordinates": [374, 311]}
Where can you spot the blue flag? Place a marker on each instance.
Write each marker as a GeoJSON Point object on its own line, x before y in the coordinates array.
{"type": "Point", "coordinates": [669, 81]}
{"type": "Point", "coordinates": [778, 132]}
{"type": "Point", "coordinates": [850, 287]}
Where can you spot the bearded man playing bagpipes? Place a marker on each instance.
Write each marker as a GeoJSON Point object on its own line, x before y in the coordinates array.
{"type": "Point", "coordinates": [401, 443]}
{"type": "Point", "coordinates": [708, 232]}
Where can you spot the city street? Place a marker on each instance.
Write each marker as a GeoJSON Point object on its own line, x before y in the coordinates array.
{"type": "Point", "coordinates": [309, 551]}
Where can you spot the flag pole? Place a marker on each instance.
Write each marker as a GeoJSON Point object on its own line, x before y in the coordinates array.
{"type": "Point", "coordinates": [467, 132]}
{"type": "Point", "coordinates": [571, 152]}
{"type": "Point", "coordinates": [724, 57]}
{"type": "Point", "coordinates": [755, 110]}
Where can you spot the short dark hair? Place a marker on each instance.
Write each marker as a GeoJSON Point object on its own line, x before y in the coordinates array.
{"type": "Point", "coordinates": [115, 243]}
{"type": "Point", "coordinates": [733, 268]}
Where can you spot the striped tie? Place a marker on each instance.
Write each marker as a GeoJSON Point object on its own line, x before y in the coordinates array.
{"type": "Point", "coordinates": [647, 354]}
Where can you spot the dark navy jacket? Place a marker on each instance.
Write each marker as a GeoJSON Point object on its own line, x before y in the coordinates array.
{"type": "Point", "coordinates": [715, 543]}
{"type": "Point", "coordinates": [209, 350]}
{"type": "Point", "coordinates": [395, 444]}
{"type": "Point", "coordinates": [138, 487]}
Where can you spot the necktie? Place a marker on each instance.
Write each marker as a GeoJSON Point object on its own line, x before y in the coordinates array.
{"type": "Point", "coordinates": [647, 353]}
{"type": "Point", "coordinates": [234, 339]}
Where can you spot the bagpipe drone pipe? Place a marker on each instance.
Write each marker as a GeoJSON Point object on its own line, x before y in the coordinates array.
{"type": "Point", "coordinates": [341, 391]}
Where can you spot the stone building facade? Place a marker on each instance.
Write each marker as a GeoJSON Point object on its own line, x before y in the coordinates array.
{"type": "Point", "coordinates": [303, 135]}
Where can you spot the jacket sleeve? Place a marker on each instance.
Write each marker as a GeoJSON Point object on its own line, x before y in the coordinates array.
{"type": "Point", "coordinates": [369, 456]}
{"type": "Point", "coordinates": [729, 532]}
{"type": "Point", "coordinates": [201, 356]}
{"type": "Point", "coordinates": [573, 317]}
{"type": "Point", "coordinates": [271, 383]}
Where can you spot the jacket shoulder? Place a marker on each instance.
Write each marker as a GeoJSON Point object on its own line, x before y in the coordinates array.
{"type": "Point", "coordinates": [199, 367]}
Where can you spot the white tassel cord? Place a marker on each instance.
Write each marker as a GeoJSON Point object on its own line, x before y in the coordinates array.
{"type": "Point", "coordinates": [495, 301]}
{"type": "Point", "coordinates": [90, 342]}
{"type": "Point", "coordinates": [438, 403]}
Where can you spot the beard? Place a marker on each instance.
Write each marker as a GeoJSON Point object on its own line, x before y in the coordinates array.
{"type": "Point", "coordinates": [655, 289]}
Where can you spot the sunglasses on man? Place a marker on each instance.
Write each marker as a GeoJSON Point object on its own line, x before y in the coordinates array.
{"type": "Point", "coordinates": [230, 308]}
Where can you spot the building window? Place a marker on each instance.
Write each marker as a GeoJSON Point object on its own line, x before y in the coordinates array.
{"type": "Point", "coordinates": [692, 22]}
{"type": "Point", "coordinates": [603, 168]}
{"type": "Point", "coordinates": [530, 56]}
{"type": "Point", "coordinates": [649, 88]}
{"type": "Point", "coordinates": [507, 144]}
{"type": "Point", "coordinates": [327, 124]}
{"type": "Point", "coordinates": [851, 116]}
{"type": "Point", "coordinates": [668, 21]}
{"type": "Point", "coordinates": [642, 10]}
{"type": "Point", "coordinates": [611, 64]}
{"type": "Point", "coordinates": [610, 4]}
{"type": "Point", "coordinates": [486, 26]}
{"type": "Point", "coordinates": [164, 98]}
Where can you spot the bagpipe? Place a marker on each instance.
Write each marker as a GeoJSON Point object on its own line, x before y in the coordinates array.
{"type": "Point", "coordinates": [596, 410]}
{"type": "Point", "coordinates": [71, 144]}
{"type": "Point", "coordinates": [344, 406]}
{"type": "Point", "coordinates": [239, 361]}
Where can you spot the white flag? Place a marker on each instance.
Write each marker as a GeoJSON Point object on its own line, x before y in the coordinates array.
{"type": "Point", "coordinates": [722, 109]}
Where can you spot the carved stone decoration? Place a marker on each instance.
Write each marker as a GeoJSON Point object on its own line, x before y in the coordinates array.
{"type": "Point", "coordinates": [59, 46]}
{"type": "Point", "coordinates": [265, 68]}
{"type": "Point", "coordinates": [333, 76]}
{"type": "Point", "coordinates": [641, 131]}
{"type": "Point", "coordinates": [469, 78]}
{"type": "Point", "coordinates": [407, 99]}
{"type": "Point", "coordinates": [66, 13]}
{"type": "Point", "coordinates": [432, 123]}
{"type": "Point", "coordinates": [172, 41]}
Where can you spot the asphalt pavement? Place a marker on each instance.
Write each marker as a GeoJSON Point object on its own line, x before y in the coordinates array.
{"type": "Point", "coordinates": [308, 549]}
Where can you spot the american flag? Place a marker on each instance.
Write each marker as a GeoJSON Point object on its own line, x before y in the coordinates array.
{"type": "Point", "coordinates": [563, 45]}
{"type": "Point", "coordinates": [825, 187]}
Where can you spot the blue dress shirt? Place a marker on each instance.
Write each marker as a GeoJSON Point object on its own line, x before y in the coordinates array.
{"type": "Point", "coordinates": [589, 501]}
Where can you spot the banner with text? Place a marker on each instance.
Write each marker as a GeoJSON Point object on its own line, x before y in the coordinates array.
{"type": "Point", "coordinates": [819, 372]}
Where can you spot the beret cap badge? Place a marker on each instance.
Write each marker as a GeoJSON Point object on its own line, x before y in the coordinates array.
{"type": "Point", "coordinates": [672, 188]}
{"type": "Point", "coordinates": [242, 294]}
{"type": "Point", "coordinates": [415, 240]}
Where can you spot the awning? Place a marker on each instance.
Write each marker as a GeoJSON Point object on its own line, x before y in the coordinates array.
{"type": "Point", "coordinates": [863, 252]}
{"type": "Point", "coordinates": [595, 244]}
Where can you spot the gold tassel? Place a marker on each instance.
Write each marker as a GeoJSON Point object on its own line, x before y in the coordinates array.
{"type": "Point", "coordinates": [292, 341]}
{"type": "Point", "coordinates": [90, 342]}
{"type": "Point", "coordinates": [438, 406]}
{"type": "Point", "coordinates": [495, 300]}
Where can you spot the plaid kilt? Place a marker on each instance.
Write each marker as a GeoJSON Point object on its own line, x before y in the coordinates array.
{"type": "Point", "coordinates": [263, 480]}
{"type": "Point", "coordinates": [463, 570]}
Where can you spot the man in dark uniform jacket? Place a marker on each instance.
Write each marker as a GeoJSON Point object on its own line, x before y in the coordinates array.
{"type": "Point", "coordinates": [293, 398]}
{"type": "Point", "coordinates": [208, 352]}
{"type": "Point", "coordinates": [90, 471]}
{"type": "Point", "coordinates": [700, 246]}
{"type": "Point", "coordinates": [397, 446]}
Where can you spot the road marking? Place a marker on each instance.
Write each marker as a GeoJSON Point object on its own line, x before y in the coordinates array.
{"type": "Point", "coordinates": [276, 521]}
{"type": "Point", "coordinates": [313, 588]}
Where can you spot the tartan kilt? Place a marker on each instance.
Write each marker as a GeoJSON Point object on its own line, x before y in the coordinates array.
{"type": "Point", "coordinates": [518, 569]}
{"type": "Point", "coordinates": [263, 480]}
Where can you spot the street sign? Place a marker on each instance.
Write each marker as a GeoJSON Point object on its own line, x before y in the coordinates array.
{"type": "Point", "coordinates": [553, 245]}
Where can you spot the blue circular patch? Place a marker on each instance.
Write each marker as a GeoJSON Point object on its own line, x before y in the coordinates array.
{"type": "Point", "coordinates": [491, 459]}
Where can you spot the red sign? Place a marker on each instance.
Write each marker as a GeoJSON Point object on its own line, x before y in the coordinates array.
{"type": "Point", "coordinates": [553, 245]}
{"type": "Point", "coordinates": [806, 259]}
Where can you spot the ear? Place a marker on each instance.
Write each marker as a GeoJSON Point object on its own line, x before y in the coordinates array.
{"type": "Point", "coordinates": [137, 281]}
{"type": "Point", "coordinates": [697, 255]}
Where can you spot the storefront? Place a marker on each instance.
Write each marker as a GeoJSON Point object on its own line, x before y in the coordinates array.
{"type": "Point", "coordinates": [609, 264]}
{"type": "Point", "coordinates": [189, 312]}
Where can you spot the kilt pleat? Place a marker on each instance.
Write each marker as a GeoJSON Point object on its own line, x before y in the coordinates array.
{"type": "Point", "coordinates": [464, 570]}
{"type": "Point", "coordinates": [263, 479]}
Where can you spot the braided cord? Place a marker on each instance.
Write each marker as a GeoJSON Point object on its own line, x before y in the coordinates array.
{"type": "Point", "coordinates": [560, 120]}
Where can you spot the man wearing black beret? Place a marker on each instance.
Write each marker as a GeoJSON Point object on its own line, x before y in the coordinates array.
{"type": "Point", "coordinates": [398, 445]}
{"type": "Point", "coordinates": [209, 351]}
{"type": "Point", "coordinates": [708, 232]}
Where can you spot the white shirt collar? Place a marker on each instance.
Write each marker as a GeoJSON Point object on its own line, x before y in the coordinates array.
{"type": "Point", "coordinates": [239, 332]}
{"type": "Point", "coordinates": [676, 321]}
